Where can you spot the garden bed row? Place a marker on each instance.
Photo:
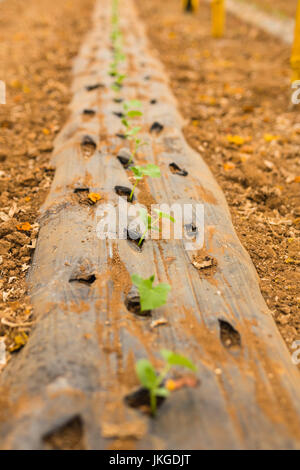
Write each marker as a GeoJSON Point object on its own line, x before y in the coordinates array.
{"type": "Point", "coordinates": [80, 363]}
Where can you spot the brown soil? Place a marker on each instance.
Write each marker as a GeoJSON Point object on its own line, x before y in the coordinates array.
{"type": "Point", "coordinates": [237, 105]}
{"type": "Point", "coordinates": [38, 40]}
{"type": "Point", "coordinates": [276, 7]}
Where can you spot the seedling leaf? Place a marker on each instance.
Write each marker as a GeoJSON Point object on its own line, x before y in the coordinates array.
{"type": "Point", "coordinates": [133, 114]}
{"type": "Point", "coordinates": [125, 122]}
{"type": "Point", "coordinates": [162, 392]}
{"type": "Point", "coordinates": [151, 170]}
{"type": "Point", "coordinates": [177, 360]}
{"type": "Point", "coordinates": [146, 373]}
{"type": "Point", "coordinates": [154, 298]}
{"type": "Point", "coordinates": [139, 281]}
{"type": "Point", "coordinates": [132, 104]}
{"type": "Point", "coordinates": [137, 172]}
{"type": "Point", "coordinates": [151, 297]}
{"type": "Point", "coordinates": [145, 218]}
{"type": "Point", "coordinates": [164, 215]}
{"type": "Point", "coordinates": [133, 131]}
{"type": "Point", "coordinates": [120, 79]}
{"type": "Point", "coordinates": [153, 382]}
{"type": "Point", "coordinates": [115, 87]}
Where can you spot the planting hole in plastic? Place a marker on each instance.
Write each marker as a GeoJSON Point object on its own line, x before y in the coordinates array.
{"type": "Point", "coordinates": [124, 156]}
{"type": "Point", "coordinates": [230, 337]}
{"type": "Point", "coordinates": [124, 161]}
{"type": "Point", "coordinates": [191, 230]}
{"type": "Point", "coordinates": [124, 191]}
{"type": "Point", "coordinates": [82, 194]}
{"type": "Point", "coordinates": [89, 112]}
{"type": "Point", "coordinates": [156, 127]}
{"type": "Point", "coordinates": [94, 87]}
{"type": "Point", "coordinates": [177, 170]}
{"type": "Point", "coordinates": [81, 190]}
{"type": "Point", "coordinates": [83, 278]}
{"type": "Point", "coordinates": [119, 115]}
{"type": "Point", "coordinates": [133, 303]}
{"type": "Point", "coordinates": [88, 146]}
{"type": "Point", "coordinates": [121, 136]}
{"type": "Point", "coordinates": [133, 238]}
{"type": "Point", "coordinates": [141, 398]}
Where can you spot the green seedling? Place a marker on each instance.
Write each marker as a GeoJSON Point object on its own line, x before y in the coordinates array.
{"type": "Point", "coordinates": [131, 133]}
{"type": "Point", "coordinates": [117, 85]}
{"type": "Point", "coordinates": [115, 88]}
{"type": "Point", "coordinates": [155, 382]}
{"type": "Point", "coordinates": [116, 34]}
{"type": "Point", "coordinates": [150, 297]}
{"type": "Point", "coordinates": [151, 224]}
{"type": "Point", "coordinates": [113, 69]}
{"type": "Point", "coordinates": [118, 58]}
{"type": "Point", "coordinates": [117, 45]}
{"type": "Point", "coordinates": [130, 111]}
{"type": "Point", "coordinates": [120, 79]}
{"type": "Point", "coordinates": [140, 171]}
{"type": "Point", "coordinates": [115, 11]}
{"type": "Point", "coordinates": [115, 19]}
{"type": "Point", "coordinates": [117, 41]}
{"type": "Point", "coordinates": [138, 143]}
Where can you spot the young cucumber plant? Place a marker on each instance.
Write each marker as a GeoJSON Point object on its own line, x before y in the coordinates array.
{"type": "Point", "coordinates": [151, 297]}
{"type": "Point", "coordinates": [138, 143]}
{"type": "Point", "coordinates": [130, 108]}
{"type": "Point", "coordinates": [114, 66]}
{"type": "Point", "coordinates": [117, 42]}
{"type": "Point", "coordinates": [140, 171]}
{"type": "Point", "coordinates": [115, 34]}
{"type": "Point", "coordinates": [155, 382]}
{"type": "Point", "coordinates": [151, 224]}
{"type": "Point", "coordinates": [131, 111]}
{"type": "Point", "coordinates": [115, 14]}
{"type": "Point", "coordinates": [118, 58]}
{"type": "Point", "coordinates": [119, 79]}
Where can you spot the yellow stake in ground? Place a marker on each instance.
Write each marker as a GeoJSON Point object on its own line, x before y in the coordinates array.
{"type": "Point", "coordinates": [190, 5]}
{"type": "Point", "coordinates": [295, 59]}
{"type": "Point", "coordinates": [218, 18]}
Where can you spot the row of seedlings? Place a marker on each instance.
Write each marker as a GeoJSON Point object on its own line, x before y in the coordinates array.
{"type": "Point", "coordinates": [144, 296]}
